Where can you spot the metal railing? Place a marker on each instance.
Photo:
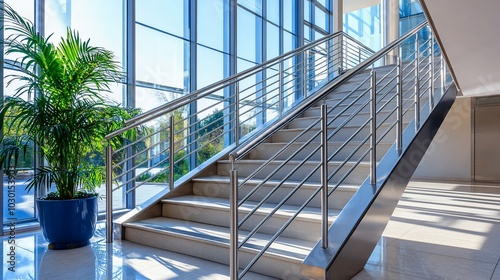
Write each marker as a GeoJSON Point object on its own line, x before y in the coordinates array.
{"type": "Point", "coordinates": [181, 136]}
{"type": "Point", "coordinates": [386, 93]}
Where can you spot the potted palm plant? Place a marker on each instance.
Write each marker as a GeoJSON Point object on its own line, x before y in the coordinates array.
{"type": "Point", "coordinates": [60, 109]}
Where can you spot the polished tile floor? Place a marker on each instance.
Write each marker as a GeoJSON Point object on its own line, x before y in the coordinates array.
{"type": "Point", "coordinates": [438, 231]}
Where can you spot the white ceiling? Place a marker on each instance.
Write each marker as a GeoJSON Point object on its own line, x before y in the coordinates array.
{"type": "Point", "coordinates": [470, 34]}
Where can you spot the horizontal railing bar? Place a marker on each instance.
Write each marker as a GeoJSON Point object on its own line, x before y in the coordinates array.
{"type": "Point", "coordinates": [349, 172]}
{"type": "Point", "coordinates": [281, 203]}
{"type": "Point", "coordinates": [277, 234]}
{"type": "Point", "coordinates": [292, 114]}
{"type": "Point", "coordinates": [240, 76]}
{"type": "Point", "coordinates": [265, 164]}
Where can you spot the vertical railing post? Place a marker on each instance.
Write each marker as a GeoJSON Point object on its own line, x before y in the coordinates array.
{"type": "Point", "coordinates": [304, 69]}
{"type": "Point", "coordinates": [399, 104]}
{"type": "Point", "coordinates": [109, 193]}
{"type": "Point", "coordinates": [443, 74]}
{"type": "Point", "coordinates": [237, 113]}
{"type": "Point", "coordinates": [171, 153]}
{"type": "Point", "coordinates": [431, 78]}
{"type": "Point", "coordinates": [359, 54]}
{"type": "Point", "coordinates": [280, 88]}
{"type": "Point", "coordinates": [329, 56]}
{"type": "Point", "coordinates": [341, 50]}
{"type": "Point", "coordinates": [373, 127]}
{"type": "Point", "coordinates": [324, 176]}
{"type": "Point", "coordinates": [233, 238]}
{"type": "Point", "coordinates": [417, 83]}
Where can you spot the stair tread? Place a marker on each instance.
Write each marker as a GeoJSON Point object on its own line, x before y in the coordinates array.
{"type": "Point", "coordinates": [284, 247]}
{"type": "Point", "coordinates": [286, 211]}
{"type": "Point", "coordinates": [288, 183]}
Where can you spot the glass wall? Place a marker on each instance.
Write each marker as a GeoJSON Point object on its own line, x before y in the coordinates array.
{"type": "Point", "coordinates": [178, 46]}
{"type": "Point", "coordinates": [317, 19]}
{"type": "Point", "coordinates": [365, 26]}
{"type": "Point", "coordinates": [411, 14]}
{"type": "Point", "coordinates": [18, 205]}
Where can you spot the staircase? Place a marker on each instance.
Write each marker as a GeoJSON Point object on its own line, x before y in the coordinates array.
{"type": "Point", "coordinates": [280, 197]}
{"type": "Point", "coordinates": [197, 223]}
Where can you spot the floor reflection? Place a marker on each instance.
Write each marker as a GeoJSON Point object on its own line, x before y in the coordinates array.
{"type": "Point", "coordinates": [120, 260]}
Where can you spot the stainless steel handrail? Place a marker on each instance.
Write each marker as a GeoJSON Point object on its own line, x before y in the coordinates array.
{"type": "Point", "coordinates": [251, 143]}
{"type": "Point", "coordinates": [172, 105]}
{"type": "Point", "coordinates": [178, 140]}
{"type": "Point", "coordinates": [395, 87]}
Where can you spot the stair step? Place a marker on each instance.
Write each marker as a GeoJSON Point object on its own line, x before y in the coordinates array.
{"type": "Point", "coordinates": [248, 166]}
{"type": "Point", "coordinates": [358, 120]}
{"type": "Point", "coordinates": [216, 211]}
{"type": "Point", "coordinates": [218, 186]}
{"type": "Point", "coordinates": [288, 134]}
{"type": "Point", "coordinates": [265, 150]}
{"type": "Point", "coordinates": [210, 242]}
{"type": "Point", "coordinates": [198, 224]}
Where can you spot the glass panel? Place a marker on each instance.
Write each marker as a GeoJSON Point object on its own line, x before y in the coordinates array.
{"type": "Point", "coordinates": [253, 5]}
{"type": "Point", "coordinates": [323, 2]}
{"type": "Point", "coordinates": [247, 35]}
{"type": "Point", "coordinates": [211, 131]}
{"type": "Point", "coordinates": [273, 41]}
{"type": "Point", "coordinates": [210, 66]}
{"type": "Point", "coordinates": [288, 42]}
{"type": "Point", "coordinates": [320, 18]}
{"type": "Point", "coordinates": [409, 7]}
{"type": "Point", "coordinates": [307, 10]}
{"type": "Point", "coordinates": [211, 27]}
{"type": "Point", "coordinates": [364, 25]}
{"type": "Point", "coordinates": [272, 92]}
{"type": "Point", "coordinates": [307, 34]}
{"type": "Point", "coordinates": [273, 11]}
{"type": "Point", "coordinates": [166, 15]}
{"type": "Point", "coordinates": [106, 28]}
{"type": "Point", "coordinates": [161, 60]}
{"type": "Point", "coordinates": [149, 98]}
{"type": "Point", "coordinates": [25, 8]}
{"type": "Point", "coordinates": [288, 15]}
{"type": "Point", "coordinates": [17, 202]}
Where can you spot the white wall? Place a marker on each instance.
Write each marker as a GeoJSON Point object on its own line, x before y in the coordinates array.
{"type": "Point", "coordinates": [449, 155]}
{"type": "Point", "coordinates": [468, 31]}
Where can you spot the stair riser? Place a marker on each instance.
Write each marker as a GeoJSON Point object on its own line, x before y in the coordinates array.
{"type": "Point", "coordinates": [357, 120]}
{"type": "Point", "coordinates": [246, 168]}
{"type": "Point", "coordinates": [265, 150]}
{"type": "Point", "coordinates": [216, 252]}
{"type": "Point", "coordinates": [344, 90]}
{"type": "Point", "coordinates": [285, 136]}
{"type": "Point", "coordinates": [316, 110]}
{"type": "Point", "coordinates": [305, 229]}
{"type": "Point", "coordinates": [336, 201]}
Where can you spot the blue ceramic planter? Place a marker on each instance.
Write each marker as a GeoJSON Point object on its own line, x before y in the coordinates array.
{"type": "Point", "coordinates": [67, 224]}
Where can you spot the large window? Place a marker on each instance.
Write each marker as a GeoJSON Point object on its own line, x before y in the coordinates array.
{"type": "Point", "coordinates": [364, 25]}
{"type": "Point", "coordinates": [179, 46]}
{"type": "Point", "coordinates": [105, 29]}
{"type": "Point", "coordinates": [24, 201]}
{"type": "Point", "coordinates": [317, 19]}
